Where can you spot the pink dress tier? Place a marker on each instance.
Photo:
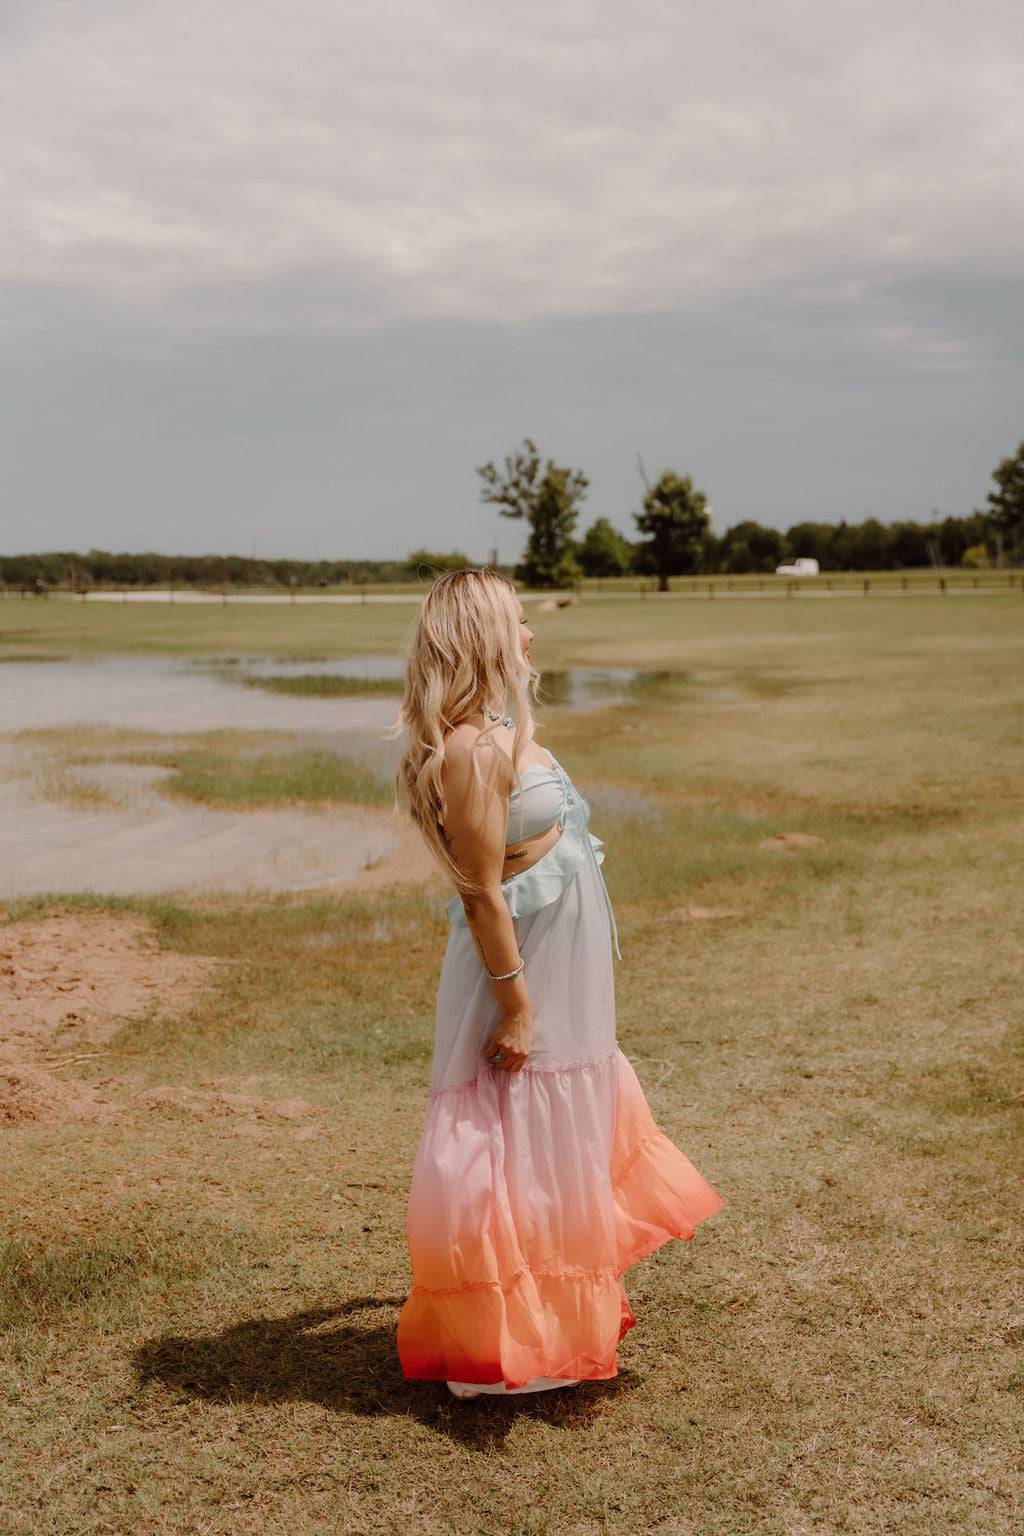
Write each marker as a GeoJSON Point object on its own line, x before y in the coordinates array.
{"type": "Point", "coordinates": [533, 1192]}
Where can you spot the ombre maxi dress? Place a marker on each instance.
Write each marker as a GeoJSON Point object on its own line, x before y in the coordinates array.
{"type": "Point", "coordinates": [534, 1191]}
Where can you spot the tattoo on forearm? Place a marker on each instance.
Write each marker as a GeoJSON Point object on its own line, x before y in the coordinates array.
{"type": "Point", "coordinates": [520, 855]}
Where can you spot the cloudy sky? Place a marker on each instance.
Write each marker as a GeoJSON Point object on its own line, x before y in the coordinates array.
{"type": "Point", "coordinates": [275, 275]}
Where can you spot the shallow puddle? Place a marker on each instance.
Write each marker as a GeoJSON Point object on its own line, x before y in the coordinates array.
{"type": "Point", "coordinates": [157, 693]}
{"type": "Point", "coordinates": [145, 841]}
{"type": "Point", "coordinates": [150, 843]}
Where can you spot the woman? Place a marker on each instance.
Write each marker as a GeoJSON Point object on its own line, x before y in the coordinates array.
{"type": "Point", "coordinates": [541, 1175]}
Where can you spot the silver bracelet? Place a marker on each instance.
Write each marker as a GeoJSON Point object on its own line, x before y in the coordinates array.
{"type": "Point", "coordinates": [508, 976]}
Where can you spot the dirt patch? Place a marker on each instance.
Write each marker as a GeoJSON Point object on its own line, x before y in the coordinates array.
{"type": "Point", "coordinates": [702, 914]}
{"type": "Point", "coordinates": [217, 1101]}
{"type": "Point", "coordinates": [81, 974]}
{"type": "Point", "coordinates": [29, 1096]}
{"type": "Point", "coordinates": [89, 971]}
{"type": "Point", "coordinates": [409, 864]}
{"type": "Point", "coordinates": [786, 840]}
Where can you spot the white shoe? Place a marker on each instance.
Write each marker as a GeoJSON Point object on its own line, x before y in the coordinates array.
{"type": "Point", "coordinates": [469, 1389]}
{"type": "Point", "coordinates": [463, 1390]}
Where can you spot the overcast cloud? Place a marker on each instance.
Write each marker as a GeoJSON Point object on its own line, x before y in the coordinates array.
{"type": "Point", "coordinates": [282, 274]}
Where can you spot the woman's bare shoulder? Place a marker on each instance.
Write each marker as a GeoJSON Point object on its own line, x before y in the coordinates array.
{"type": "Point", "coordinates": [470, 750]}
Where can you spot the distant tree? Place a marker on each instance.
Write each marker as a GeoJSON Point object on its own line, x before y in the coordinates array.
{"type": "Point", "coordinates": [908, 543]}
{"type": "Point", "coordinates": [871, 546]}
{"type": "Point", "coordinates": [1007, 502]}
{"type": "Point", "coordinates": [749, 547]}
{"type": "Point", "coordinates": [548, 498]}
{"type": "Point", "coordinates": [422, 562]}
{"type": "Point", "coordinates": [708, 561]}
{"type": "Point", "coordinates": [674, 523]}
{"type": "Point", "coordinates": [955, 535]}
{"type": "Point", "coordinates": [604, 551]}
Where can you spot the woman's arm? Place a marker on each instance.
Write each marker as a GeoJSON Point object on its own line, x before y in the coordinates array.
{"type": "Point", "coordinates": [476, 824]}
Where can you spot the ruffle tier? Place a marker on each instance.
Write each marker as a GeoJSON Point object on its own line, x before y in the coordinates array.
{"type": "Point", "coordinates": [531, 1194]}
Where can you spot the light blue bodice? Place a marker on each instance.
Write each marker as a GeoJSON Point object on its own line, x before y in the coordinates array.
{"type": "Point", "coordinates": [536, 803]}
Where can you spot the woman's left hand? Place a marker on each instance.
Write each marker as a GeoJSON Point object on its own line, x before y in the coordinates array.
{"type": "Point", "coordinates": [512, 1040]}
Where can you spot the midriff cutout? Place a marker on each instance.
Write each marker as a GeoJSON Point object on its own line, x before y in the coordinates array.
{"type": "Point", "coordinates": [522, 856]}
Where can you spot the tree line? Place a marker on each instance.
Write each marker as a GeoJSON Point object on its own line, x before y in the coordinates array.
{"type": "Point", "coordinates": [674, 538]}
{"type": "Point", "coordinates": [98, 567]}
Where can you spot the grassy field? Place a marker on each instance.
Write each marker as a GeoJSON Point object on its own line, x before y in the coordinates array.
{"type": "Point", "coordinates": [199, 1322]}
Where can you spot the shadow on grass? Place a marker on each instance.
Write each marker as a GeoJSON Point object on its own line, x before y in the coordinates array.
{"type": "Point", "coordinates": [345, 1357]}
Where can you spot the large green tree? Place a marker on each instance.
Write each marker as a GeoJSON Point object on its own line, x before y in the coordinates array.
{"type": "Point", "coordinates": [1007, 502]}
{"type": "Point", "coordinates": [673, 524]}
{"type": "Point", "coordinates": [603, 551]}
{"type": "Point", "coordinates": [548, 497]}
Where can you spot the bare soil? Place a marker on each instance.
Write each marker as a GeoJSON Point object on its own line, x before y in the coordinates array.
{"type": "Point", "coordinates": [74, 978]}
{"type": "Point", "coordinates": [783, 841]}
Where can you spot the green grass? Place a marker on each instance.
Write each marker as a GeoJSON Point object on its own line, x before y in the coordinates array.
{"type": "Point", "coordinates": [200, 1323]}
{"type": "Point", "coordinates": [310, 775]}
{"type": "Point", "coordinates": [61, 627]}
{"type": "Point", "coordinates": [598, 631]}
{"type": "Point", "coordinates": [219, 768]}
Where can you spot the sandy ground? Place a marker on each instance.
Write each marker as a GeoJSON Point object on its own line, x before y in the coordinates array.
{"type": "Point", "coordinates": [68, 982]}
{"type": "Point", "coordinates": [78, 977]}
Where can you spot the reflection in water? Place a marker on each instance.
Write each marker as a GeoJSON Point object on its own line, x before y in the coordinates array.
{"type": "Point", "coordinates": [594, 687]}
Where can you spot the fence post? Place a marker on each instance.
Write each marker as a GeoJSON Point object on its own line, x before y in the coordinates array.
{"type": "Point", "coordinates": [867, 585]}
{"type": "Point", "coordinates": [942, 585]}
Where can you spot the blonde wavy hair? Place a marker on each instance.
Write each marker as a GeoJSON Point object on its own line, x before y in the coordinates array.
{"type": "Point", "coordinates": [464, 658]}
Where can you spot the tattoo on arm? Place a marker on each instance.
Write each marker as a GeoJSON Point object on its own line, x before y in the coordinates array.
{"type": "Point", "coordinates": [520, 855]}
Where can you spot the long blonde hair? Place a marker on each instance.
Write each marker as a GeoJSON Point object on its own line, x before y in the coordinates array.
{"type": "Point", "coordinates": [464, 658]}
